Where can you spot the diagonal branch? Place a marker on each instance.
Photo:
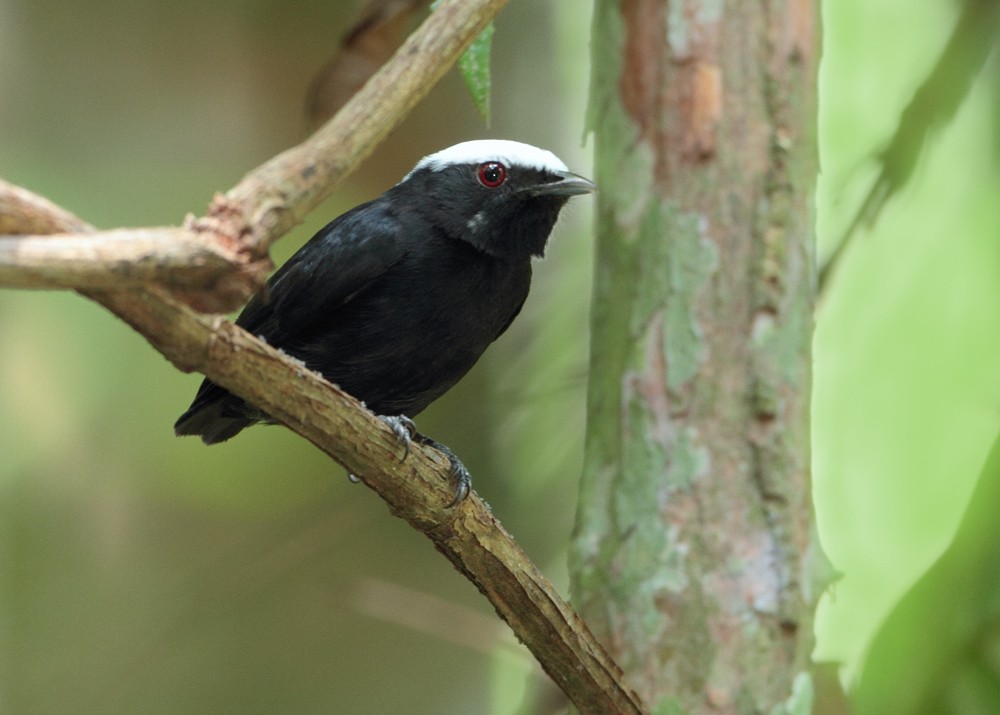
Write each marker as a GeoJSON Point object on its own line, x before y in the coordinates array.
{"type": "Point", "coordinates": [416, 489]}
{"type": "Point", "coordinates": [277, 194]}
{"type": "Point", "coordinates": [242, 224]}
{"type": "Point", "coordinates": [270, 200]}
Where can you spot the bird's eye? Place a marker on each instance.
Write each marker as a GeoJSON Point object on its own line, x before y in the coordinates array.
{"type": "Point", "coordinates": [492, 174]}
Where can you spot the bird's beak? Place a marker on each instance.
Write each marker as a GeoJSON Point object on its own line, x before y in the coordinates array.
{"type": "Point", "coordinates": [569, 184]}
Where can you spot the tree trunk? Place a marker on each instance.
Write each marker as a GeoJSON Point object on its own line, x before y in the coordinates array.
{"type": "Point", "coordinates": [694, 526]}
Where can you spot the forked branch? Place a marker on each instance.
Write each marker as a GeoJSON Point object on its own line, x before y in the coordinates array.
{"type": "Point", "coordinates": [151, 278]}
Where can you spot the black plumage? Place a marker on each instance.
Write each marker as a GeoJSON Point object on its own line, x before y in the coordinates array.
{"type": "Point", "coordinates": [396, 299]}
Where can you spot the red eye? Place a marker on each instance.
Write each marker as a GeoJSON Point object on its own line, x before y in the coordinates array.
{"type": "Point", "coordinates": [492, 174]}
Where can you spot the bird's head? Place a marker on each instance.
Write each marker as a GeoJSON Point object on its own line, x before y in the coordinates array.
{"type": "Point", "coordinates": [501, 196]}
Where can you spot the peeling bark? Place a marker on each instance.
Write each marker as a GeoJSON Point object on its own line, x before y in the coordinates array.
{"type": "Point", "coordinates": [694, 526]}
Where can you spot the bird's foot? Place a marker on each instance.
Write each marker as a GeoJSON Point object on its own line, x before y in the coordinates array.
{"type": "Point", "coordinates": [406, 432]}
{"type": "Point", "coordinates": [404, 429]}
{"type": "Point", "coordinates": [463, 480]}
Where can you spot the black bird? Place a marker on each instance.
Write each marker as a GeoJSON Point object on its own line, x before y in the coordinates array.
{"type": "Point", "coordinates": [396, 299]}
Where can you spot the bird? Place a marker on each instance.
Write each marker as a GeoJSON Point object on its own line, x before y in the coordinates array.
{"type": "Point", "coordinates": [396, 299]}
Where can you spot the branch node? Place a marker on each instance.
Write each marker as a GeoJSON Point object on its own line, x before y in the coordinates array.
{"type": "Point", "coordinates": [231, 290]}
{"type": "Point", "coordinates": [226, 224]}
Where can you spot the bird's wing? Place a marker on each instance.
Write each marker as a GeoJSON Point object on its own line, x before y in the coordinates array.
{"type": "Point", "coordinates": [341, 259]}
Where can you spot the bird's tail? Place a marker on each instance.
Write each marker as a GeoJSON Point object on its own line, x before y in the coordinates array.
{"type": "Point", "coordinates": [214, 415]}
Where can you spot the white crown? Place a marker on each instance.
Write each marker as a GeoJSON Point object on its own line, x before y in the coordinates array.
{"type": "Point", "coordinates": [509, 153]}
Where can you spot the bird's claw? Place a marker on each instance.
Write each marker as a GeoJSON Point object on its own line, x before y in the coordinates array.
{"type": "Point", "coordinates": [406, 432]}
{"type": "Point", "coordinates": [404, 429]}
{"type": "Point", "coordinates": [463, 480]}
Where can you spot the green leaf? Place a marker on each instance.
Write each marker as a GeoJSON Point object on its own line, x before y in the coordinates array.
{"type": "Point", "coordinates": [475, 67]}
{"type": "Point", "coordinates": [939, 650]}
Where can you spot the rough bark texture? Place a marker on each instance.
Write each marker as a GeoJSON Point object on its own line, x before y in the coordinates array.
{"type": "Point", "coordinates": [694, 526]}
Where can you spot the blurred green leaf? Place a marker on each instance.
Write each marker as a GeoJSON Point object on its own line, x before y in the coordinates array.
{"type": "Point", "coordinates": [934, 104]}
{"type": "Point", "coordinates": [938, 650]}
{"type": "Point", "coordinates": [475, 67]}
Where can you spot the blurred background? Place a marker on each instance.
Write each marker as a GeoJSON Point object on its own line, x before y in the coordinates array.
{"type": "Point", "coordinates": [143, 573]}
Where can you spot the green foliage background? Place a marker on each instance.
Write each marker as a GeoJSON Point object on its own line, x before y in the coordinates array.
{"type": "Point", "coordinates": [139, 572]}
{"type": "Point", "coordinates": [907, 387]}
